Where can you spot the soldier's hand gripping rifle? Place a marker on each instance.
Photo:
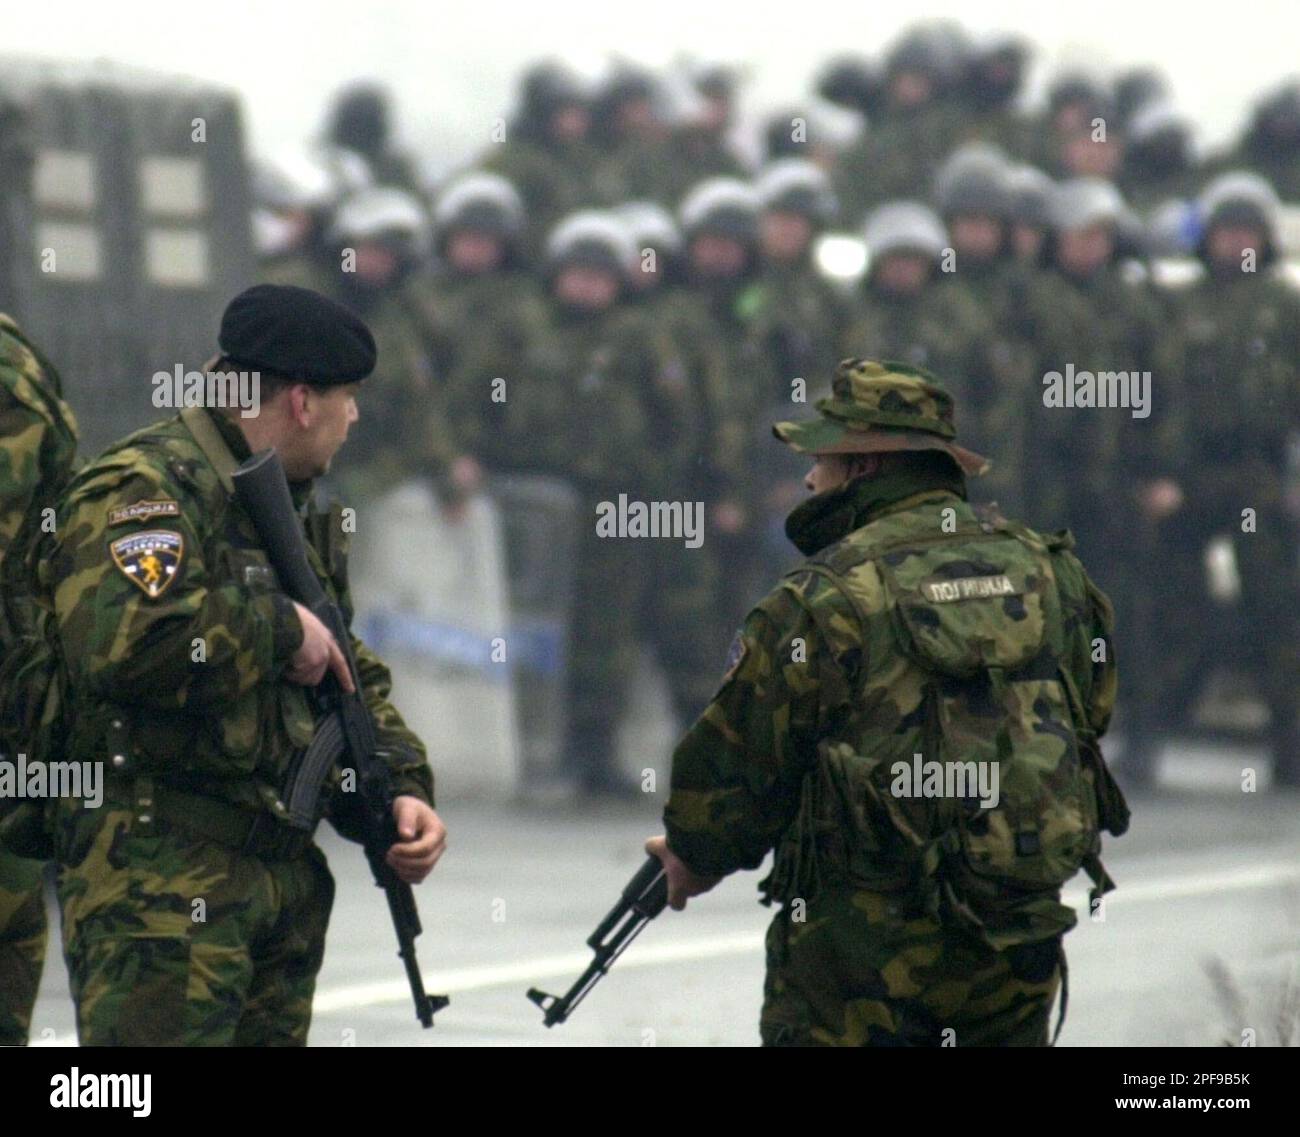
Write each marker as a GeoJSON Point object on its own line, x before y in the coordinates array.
{"type": "Point", "coordinates": [346, 732]}
{"type": "Point", "coordinates": [643, 899]}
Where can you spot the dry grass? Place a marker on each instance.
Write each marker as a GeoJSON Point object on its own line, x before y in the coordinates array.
{"type": "Point", "coordinates": [1274, 1015]}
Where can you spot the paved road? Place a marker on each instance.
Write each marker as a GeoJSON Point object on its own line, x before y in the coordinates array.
{"type": "Point", "coordinates": [1208, 873]}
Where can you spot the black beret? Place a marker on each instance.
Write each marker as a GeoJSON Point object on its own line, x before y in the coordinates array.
{"type": "Point", "coordinates": [297, 333]}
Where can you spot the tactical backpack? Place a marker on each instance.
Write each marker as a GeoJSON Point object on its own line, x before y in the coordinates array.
{"type": "Point", "coordinates": [971, 613]}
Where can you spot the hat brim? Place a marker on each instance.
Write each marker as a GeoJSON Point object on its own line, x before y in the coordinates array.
{"type": "Point", "coordinates": [825, 436]}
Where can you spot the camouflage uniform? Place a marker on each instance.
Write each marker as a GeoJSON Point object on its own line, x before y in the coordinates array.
{"type": "Point", "coordinates": [38, 438]}
{"type": "Point", "coordinates": [1240, 337]}
{"type": "Point", "coordinates": [193, 809]}
{"type": "Point", "coordinates": [678, 609]}
{"type": "Point", "coordinates": [886, 936]}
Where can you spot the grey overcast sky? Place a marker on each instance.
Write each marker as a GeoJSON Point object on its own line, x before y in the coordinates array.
{"type": "Point", "coordinates": [452, 67]}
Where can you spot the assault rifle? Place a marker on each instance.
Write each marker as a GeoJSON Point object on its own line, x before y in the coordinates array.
{"type": "Point", "coordinates": [345, 733]}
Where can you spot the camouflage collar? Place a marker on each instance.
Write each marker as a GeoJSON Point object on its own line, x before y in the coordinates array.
{"type": "Point", "coordinates": [827, 517]}
{"type": "Point", "coordinates": [231, 435]}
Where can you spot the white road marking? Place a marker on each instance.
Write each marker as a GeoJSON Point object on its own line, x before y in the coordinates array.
{"type": "Point", "coordinates": [571, 965]}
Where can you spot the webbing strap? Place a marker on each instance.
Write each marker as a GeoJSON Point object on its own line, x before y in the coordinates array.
{"type": "Point", "coordinates": [198, 422]}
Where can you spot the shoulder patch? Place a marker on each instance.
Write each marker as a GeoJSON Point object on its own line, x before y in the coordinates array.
{"type": "Point", "coordinates": [143, 510]}
{"type": "Point", "coordinates": [151, 560]}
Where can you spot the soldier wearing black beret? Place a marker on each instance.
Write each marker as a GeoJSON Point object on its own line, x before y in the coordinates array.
{"type": "Point", "coordinates": [194, 912]}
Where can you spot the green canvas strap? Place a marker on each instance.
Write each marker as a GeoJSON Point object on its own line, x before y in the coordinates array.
{"type": "Point", "coordinates": [199, 423]}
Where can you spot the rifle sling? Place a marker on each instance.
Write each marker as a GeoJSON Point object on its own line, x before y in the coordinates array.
{"type": "Point", "coordinates": [307, 772]}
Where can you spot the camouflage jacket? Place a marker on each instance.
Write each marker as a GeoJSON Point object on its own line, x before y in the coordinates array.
{"type": "Point", "coordinates": [172, 624]}
{"type": "Point", "coordinates": [38, 441]}
{"type": "Point", "coordinates": [575, 404]}
{"type": "Point", "coordinates": [807, 675]}
{"type": "Point", "coordinates": [1239, 341]}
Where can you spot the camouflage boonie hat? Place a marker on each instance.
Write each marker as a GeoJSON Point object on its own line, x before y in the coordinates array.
{"type": "Point", "coordinates": [877, 407]}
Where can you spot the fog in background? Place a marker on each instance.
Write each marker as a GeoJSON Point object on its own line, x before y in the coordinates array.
{"type": "Point", "coordinates": [453, 68]}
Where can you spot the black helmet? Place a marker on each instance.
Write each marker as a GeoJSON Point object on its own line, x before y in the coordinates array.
{"type": "Point", "coordinates": [854, 83]}
{"type": "Point", "coordinates": [1136, 88]}
{"type": "Point", "coordinates": [359, 120]}
{"type": "Point", "coordinates": [546, 88]}
{"type": "Point", "coordinates": [936, 49]}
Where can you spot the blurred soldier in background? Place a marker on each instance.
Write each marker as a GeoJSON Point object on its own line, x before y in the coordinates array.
{"type": "Point", "coordinates": [360, 122]}
{"type": "Point", "coordinates": [1158, 160]}
{"type": "Point", "coordinates": [678, 607]}
{"type": "Point", "coordinates": [972, 195]}
{"type": "Point", "coordinates": [720, 225]}
{"type": "Point", "coordinates": [379, 238]}
{"type": "Point", "coordinates": [1103, 469]}
{"type": "Point", "coordinates": [1239, 332]}
{"type": "Point", "coordinates": [546, 153]}
{"type": "Point", "coordinates": [1030, 191]}
{"type": "Point", "coordinates": [993, 71]}
{"type": "Point", "coordinates": [1078, 133]}
{"type": "Point", "coordinates": [701, 144]}
{"type": "Point", "coordinates": [1271, 143]}
{"type": "Point", "coordinates": [629, 127]}
{"type": "Point", "coordinates": [38, 442]}
{"type": "Point", "coordinates": [902, 311]}
{"type": "Point", "coordinates": [578, 410]}
{"type": "Point", "coordinates": [915, 132]}
{"type": "Point", "coordinates": [480, 302]}
{"type": "Point", "coordinates": [800, 319]}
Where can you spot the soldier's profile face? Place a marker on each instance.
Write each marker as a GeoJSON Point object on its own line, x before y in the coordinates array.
{"type": "Point", "coordinates": [827, 472]}
{"type": "Point", "coordinates": [334, 411]}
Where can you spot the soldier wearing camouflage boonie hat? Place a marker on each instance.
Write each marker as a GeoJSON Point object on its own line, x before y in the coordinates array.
{"type": "Point", "coordinates": [917, 630]}
{"type": "Point", "coordinates": [877, 407]}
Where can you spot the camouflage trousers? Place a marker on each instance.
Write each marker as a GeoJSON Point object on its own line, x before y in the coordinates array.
{"type": "Point", "coordinates": [22, 944]}
{"type": "Point", "coordinates": [172, 940]}
{"type": "Point", "coordinates": [864, 970]}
